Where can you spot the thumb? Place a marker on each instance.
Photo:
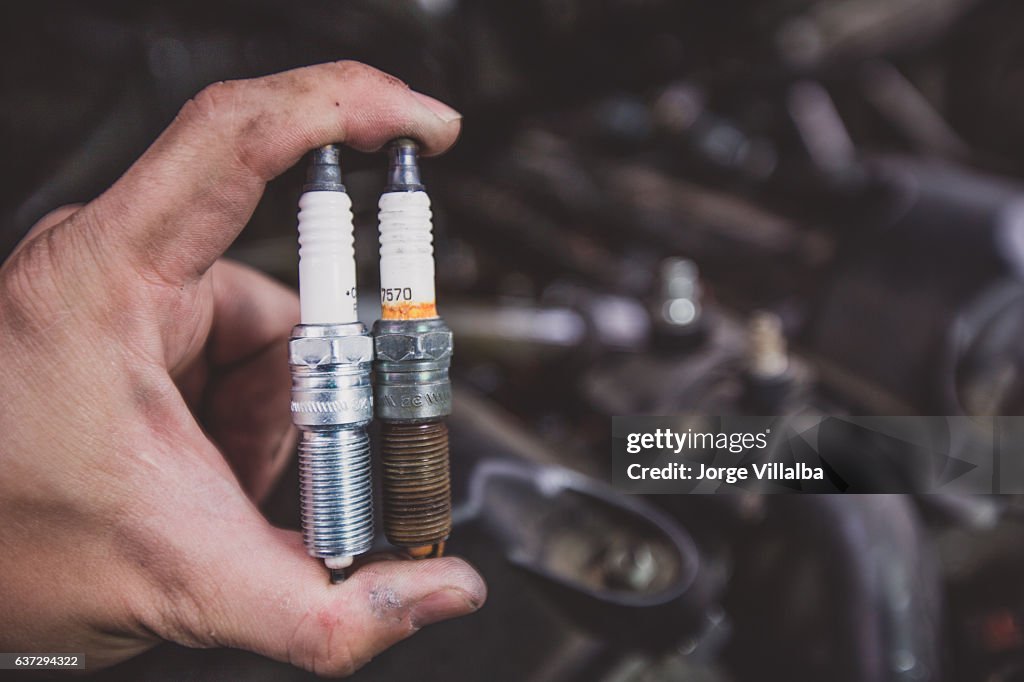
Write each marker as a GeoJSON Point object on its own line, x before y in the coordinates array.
{"type": "Point", "coordinates": [273, 599]}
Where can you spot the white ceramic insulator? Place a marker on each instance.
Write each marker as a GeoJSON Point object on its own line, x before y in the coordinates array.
{"type": "Point", "coordinates": [406, 249]}
{"type": "Point", "coordinates": [327, 265]}
{"type": "Point", "coordinates": [338, 561]}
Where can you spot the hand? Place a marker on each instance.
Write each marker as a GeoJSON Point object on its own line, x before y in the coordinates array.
{"type": "Point", "coordinates": [123, 519]}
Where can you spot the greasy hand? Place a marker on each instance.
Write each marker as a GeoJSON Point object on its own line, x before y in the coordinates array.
{"type": "Point", "coordinates": [122, 519]}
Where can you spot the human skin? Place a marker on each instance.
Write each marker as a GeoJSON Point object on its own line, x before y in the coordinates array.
{"type": "Point", "coordinates": [144, 402]}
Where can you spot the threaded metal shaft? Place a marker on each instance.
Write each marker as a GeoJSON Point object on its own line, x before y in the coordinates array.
{"type": "Point", "coordinates": [332, 404]}
{"type": "Point", "coordinates": [336, 491]}
{"type": "Point", "coordinates": [417, 491]}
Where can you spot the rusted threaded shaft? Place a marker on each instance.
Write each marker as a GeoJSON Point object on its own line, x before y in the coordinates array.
{"type": "Point", "coordinates": [417, 489]}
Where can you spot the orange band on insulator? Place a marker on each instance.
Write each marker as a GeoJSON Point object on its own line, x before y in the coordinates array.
{"type": "Point", "coordinates": [409, 311]}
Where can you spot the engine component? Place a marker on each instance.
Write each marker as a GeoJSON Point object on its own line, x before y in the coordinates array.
{"type": "Point", "coordinates": [769, 372]}
{"type": "Point", "coordinates": [414, 348]}
{"type": "Point", "coordinates": [676, 309]}
{"type": "Point", "coordinates": [331, 356]}
{"type": "Point", "coordinates": [946, 255]}
{"type": "Point", "coordinates": [616, 563]}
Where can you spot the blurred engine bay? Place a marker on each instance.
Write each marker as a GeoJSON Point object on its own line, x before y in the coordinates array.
{"type": "Point", "coordinates": [656, 207]}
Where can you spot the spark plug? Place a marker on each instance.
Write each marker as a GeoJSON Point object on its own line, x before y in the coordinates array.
{"type": "Point", "coordinates": [331, 356]}
{"type": "Point", "coordinates": [413, 349]}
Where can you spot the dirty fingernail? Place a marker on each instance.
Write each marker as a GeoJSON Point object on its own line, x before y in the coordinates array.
{"type": "Point", "coordinates": [440, 109]}
{"type": "Point", "coordinates": [442, 605]}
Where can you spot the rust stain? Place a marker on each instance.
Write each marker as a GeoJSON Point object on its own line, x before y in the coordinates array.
{"type": "Point", "coordinates": [426, 551]}
{"type": "Point", "coordinates": [420, 552]}
{"type": "Point", "coordinates": [409, 311]}
{"type": "Point", "coordinates": [417, 490]}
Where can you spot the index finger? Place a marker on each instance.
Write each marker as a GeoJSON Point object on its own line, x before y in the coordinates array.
{"type": "Point", "coordinates": [186, 199]}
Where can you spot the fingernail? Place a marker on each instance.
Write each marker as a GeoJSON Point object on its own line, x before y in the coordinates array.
{"type": "Point", "coordinates": [442, 605]}
{"type": "Point", "coordinates": [440, 109]}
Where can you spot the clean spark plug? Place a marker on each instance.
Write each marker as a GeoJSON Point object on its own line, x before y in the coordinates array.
{"type": "Point", "coordinates": [413, 348]}
{"type": "Point", "coordinates": [331, 356]}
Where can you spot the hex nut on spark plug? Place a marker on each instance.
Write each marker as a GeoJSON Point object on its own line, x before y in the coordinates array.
{"type": "Point", "coordinates": [413, 359]}
{"type": "Point", "coordinates": [330, 375]}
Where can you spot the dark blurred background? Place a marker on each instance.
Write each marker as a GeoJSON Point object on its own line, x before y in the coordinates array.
{"type": "Point", "coordinates": [729, 207]}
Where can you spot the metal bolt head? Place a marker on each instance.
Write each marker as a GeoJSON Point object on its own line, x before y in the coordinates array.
{"type": "Point", "coordinates": [430, 345]}
{"type": "Point", "coordinates": [330, 350]}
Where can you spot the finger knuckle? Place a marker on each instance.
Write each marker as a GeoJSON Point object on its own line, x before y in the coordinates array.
{"type": "Point", "coordinates": [57, 216]}
{"type": "Point", "coordinates": [359, 74]}
{"type": "Point", "coordinates": [349, 68]}
{"type": "Point", "coordinates": [213, 104]}
{"type": "Point", "coordinates": [29, 286]}
{"type": "Point", "coordinates": [61, 275]}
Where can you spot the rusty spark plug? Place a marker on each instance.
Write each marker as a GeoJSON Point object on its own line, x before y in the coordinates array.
{"type": "Point", "coordinates": [413, 349]}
